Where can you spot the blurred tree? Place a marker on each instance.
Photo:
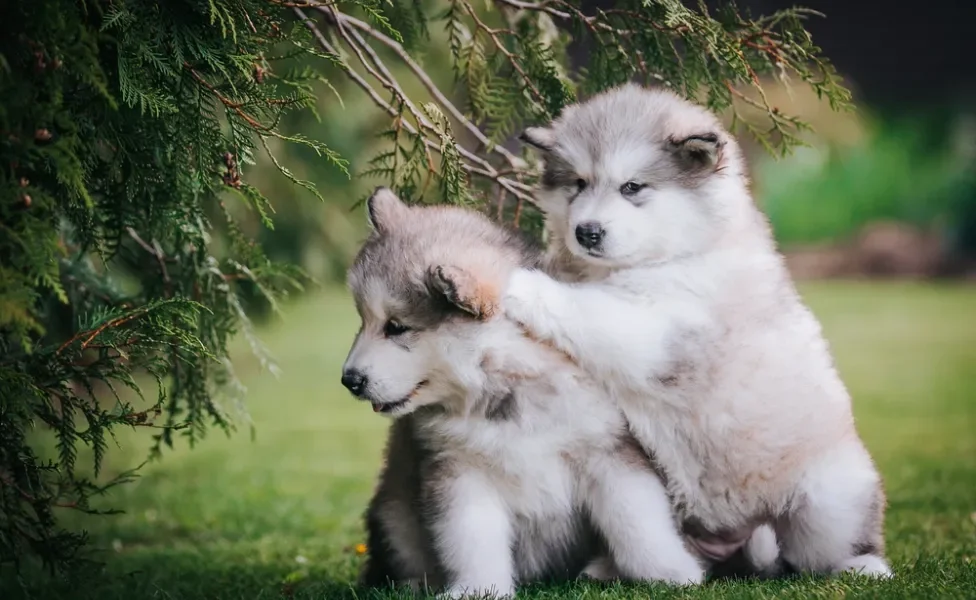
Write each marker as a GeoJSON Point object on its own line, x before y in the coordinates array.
{"type": "Point", "coordinates": [129, 130]}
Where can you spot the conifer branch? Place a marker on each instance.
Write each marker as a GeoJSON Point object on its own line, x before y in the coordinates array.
{"type": "Point", "coordinates": [375, 67]}
{"type": "Point", "coordinates": [514, 161]}
{"type": "Point", "coordinates": [234, 106]}
{"type": "Point", "coordinates": [500, 46]}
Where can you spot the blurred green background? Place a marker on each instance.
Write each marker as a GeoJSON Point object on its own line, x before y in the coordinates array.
{"type": "Point", "coordinates": [877, 217]}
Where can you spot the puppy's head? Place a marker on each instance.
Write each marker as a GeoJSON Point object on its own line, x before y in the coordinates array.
{"type": "Point", "coordinates": [427, 284]}
{"type": "Point", "coordinates": [636, 176]}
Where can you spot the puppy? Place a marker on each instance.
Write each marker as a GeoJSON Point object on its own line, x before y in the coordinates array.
{"type": "Point", "coordinates": [506, 464]}
{"type": "Point", "coordinates": [672, 294]}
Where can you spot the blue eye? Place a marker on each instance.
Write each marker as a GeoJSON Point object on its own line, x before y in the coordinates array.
{"type": "Point", "coordinates": [631, 187]}
{"type": "Point", "coordinates": [394, 328]}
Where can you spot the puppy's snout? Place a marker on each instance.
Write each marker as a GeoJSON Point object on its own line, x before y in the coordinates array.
{"type": "Point", "coordinates": [589, 234]}
{"type": "Point", "coordinates": [354, 381]}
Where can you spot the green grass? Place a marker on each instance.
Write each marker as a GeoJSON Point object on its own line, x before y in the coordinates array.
{"type": "Point", "coordinates": [278, 516]}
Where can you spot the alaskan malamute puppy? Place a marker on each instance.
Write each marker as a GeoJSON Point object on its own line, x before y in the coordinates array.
{"type": "Point", "coordinates": [674, 296]}
{"type": "Point", "coordinates": [505, 464]}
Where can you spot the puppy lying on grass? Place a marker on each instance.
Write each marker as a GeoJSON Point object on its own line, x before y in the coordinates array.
{"type": "Point", "coordinates": [505, 463]}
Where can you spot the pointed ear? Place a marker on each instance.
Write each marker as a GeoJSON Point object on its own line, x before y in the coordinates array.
{"type": "Point", "coordinates": [542, 138]}
{"type": "Point", "coordinates": [699, 152]}
{"type": "Point", "coordinates": [385, 209]}
{"type": "Point", "coordinates": [461, 289]}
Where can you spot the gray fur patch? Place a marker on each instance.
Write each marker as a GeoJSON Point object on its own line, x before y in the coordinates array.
{"type": "Point", "coordinates": [503, 407]}
{"type": "Point", "coordinates": [558, 172]}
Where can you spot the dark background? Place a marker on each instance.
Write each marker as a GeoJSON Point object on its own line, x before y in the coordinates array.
{"type": "Point", "coordinates": [895, 56]}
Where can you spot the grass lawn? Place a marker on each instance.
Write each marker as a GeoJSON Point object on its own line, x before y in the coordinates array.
{"type": "Point", "coordinates": [279, 515]}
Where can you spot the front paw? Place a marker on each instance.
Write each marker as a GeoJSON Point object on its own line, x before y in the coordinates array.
{"type": "Point", "coordinates": [462, 592]}
{"type": "Point", "coordinates": [524, 301]}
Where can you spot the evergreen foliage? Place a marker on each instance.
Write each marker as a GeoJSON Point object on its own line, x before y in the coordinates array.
{"type": "Point", "coordinates": [127, 126]}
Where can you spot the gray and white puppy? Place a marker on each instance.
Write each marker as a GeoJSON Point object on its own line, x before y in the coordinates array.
{"type": "Point", "coordinates": [505, 463]}
{"type": "Point", "coordinates": [671, 293]}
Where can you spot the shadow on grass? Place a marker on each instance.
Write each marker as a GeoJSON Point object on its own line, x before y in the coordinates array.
{"type": "Point", "coordinates": [177, 576]}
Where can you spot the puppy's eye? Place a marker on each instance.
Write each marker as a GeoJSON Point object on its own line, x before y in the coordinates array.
{"type": "Point", "coordinates": [394, 328]}
{"type": "Point", "coordinates": [631, 187]}
{"type": "Point", "coordinates": [580, 185]}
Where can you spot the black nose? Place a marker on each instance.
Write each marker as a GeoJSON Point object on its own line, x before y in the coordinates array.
{"type": "Point", "coordinates": [589, 234]}
{"type": "Point", "coordinates": [354, 381]}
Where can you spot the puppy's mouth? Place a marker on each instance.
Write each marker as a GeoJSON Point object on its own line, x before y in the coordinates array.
{"type": "Point", "coordinates": [584, 252]}
{"type": "Point", "coordinates": [392, 407]}
{"type": "Point", "coordinates": [596, 253]}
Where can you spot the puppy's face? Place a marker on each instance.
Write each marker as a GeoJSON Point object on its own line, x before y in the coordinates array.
{"type": "Point", "coordinates": [628, 178]}
{"type": "Point", "coordinates": [423, 317]}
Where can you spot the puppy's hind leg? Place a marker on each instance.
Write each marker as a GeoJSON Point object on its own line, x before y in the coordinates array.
{"type": "Point", "coordinates": [836, 522]}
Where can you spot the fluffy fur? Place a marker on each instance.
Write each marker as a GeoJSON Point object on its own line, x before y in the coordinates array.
{"type": "Point", "coordinates": [671, 292]}
{"type": "Point", "coordinates": [506, 464]}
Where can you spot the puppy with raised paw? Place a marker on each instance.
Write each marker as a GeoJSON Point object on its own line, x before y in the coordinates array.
{"type": "Point", "coordinates": [669, 290]}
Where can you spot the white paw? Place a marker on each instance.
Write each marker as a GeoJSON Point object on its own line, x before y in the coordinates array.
{"type": "Point", "coordinates": [762, 549]}
{"type": "Point", "coordinates": [522, 301]}
{"type": "Point", "coordinates": [866, 565]}
{"type": "Point", "coordinates": [471, 592]}
{"type": "Point", "coordinates": [687, 573]}
{"type": "Point", "coordinates": [676, 570]}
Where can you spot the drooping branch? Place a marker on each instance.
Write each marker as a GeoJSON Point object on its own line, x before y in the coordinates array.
{"type": "Point", "coordinates": [514, 161]}
{"type": "Point", "coordinates": [346, 28]}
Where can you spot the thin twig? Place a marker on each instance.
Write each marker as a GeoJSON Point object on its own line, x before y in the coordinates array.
{"type": "Point", "coordinates": [155, 250]}
{"type": "Point", "coordinates": [500, 46]}
{"type": "Point", "coordinates": [481, 167]}
{"type": "Point", "coordinates": [234, 106]}
{"type": "Point", "coordinates": [7, 480]}
{"type": "Point", "coordinates": [356, 77]}
{"type": "Point", "coordinates": [397, 48]}
{"type": "Point", "coordinates": [500, 201]}
{"type": "Point", "coordinates": [360, 46]}
{"type": "Point", "coordinates": [93, 334]}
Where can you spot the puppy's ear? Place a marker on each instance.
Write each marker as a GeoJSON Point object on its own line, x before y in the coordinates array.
{"type": "Point", "coordinates": [541, 138]}
{"type": "Point", "coordinates": [384, 210]}
{"type": "Point", "coordinates": [461, 289]}
{"type": "Point", "coordinates": [699, 152]}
